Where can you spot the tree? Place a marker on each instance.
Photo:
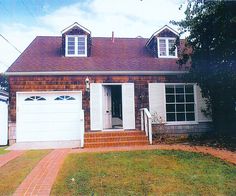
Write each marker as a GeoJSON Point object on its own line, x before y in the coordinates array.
{"type": "Point", "coordinates": [212, 39]}
{"type": "Point", "coordinates": [3, 83]}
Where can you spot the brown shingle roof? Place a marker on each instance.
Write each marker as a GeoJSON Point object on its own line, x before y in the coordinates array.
{"type": "Point", "coordinates": [125, 54]}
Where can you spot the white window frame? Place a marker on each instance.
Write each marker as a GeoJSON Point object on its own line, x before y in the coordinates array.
{"type": "Point", "coordinates": [76, 46]}
{"type": "Point", "coordinates": [195, 107]}
{"type": "Point", "coordinates": [167, 47]}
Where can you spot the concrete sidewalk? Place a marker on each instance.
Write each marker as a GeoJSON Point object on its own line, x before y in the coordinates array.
{"type": "Point", "coordinates": [45, 145]}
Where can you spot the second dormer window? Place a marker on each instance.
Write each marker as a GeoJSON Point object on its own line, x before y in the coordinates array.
{"type": "Point", "coordinates": [76, 45]}
{"type": "Point", "coordinates": [166, 48]}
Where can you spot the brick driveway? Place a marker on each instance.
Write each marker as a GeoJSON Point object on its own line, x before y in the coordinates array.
{"type": "Point", "coordinates": [5, 158]}
{"type": "Point", "coordinates": [41, 178]}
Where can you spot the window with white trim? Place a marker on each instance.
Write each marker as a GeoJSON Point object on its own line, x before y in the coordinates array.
{"type": "Point", "coordinates": [180, 102]}
{"type": "Point", "coordinates": [76, 45]}
{"type": "Point", "coordinates": [166, 48]}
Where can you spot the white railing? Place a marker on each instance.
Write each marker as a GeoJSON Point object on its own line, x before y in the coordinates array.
{"type": "Point", "coordinates": [146, 123]}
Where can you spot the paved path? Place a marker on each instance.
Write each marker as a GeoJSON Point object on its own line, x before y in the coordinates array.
{"type": "Point", "coordinates": [5, 158]}
{"type": "Point", "coordinates": [222, 154]}
{"type": "Point", "coordinates": [41, 178]}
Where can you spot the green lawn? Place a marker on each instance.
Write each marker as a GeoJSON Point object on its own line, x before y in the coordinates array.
{"type": "Point", "coordinates": [153, 172]}
{"type": "Point", "coordinates": [3, 151]}
{"type": "Point", "coordinates": [15, 171]}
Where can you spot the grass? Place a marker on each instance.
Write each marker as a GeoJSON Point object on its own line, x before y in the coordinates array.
{"type": "Point", "coordinates": [15, 171]}
{"type": "Point", "coordinates": [3, 151]}
{"type": "Point", "coordinates": [145, 173]}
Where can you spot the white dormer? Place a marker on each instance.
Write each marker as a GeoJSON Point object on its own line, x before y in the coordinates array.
{"type": "Point", "coordinates": [75, 39]}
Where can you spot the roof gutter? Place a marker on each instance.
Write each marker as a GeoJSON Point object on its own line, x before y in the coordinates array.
{"type": "Point", "coordinates": [95, 73]}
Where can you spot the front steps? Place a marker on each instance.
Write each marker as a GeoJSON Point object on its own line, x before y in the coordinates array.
{"type": "Point", "coordinates": [114, 139]}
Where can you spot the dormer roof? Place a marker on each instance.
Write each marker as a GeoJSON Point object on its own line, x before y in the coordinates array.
{"type": "Point", "coordinates": [75, 26]}
{"type": "Point", "coordinates": [159, 31]}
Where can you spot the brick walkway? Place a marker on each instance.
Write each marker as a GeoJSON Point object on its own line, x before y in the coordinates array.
{"type": "Point", "coordinates": [222, 154]}
{"type": "Point", "coordinates": [41, 178]}
{"type": "Point", "coordinates": [5, 158]}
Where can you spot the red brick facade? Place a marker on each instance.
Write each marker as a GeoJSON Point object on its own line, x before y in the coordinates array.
{"type": "Point", "coordinates": [73, 83]}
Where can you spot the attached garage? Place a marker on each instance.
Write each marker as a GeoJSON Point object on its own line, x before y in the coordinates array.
{"type": "Point", "coordinates": [49, 116]}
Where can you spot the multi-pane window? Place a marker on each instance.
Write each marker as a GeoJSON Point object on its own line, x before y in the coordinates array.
{"type": "Point", "coordinates": [162, 47]}
{"type": "Point", "coordinates": [166, 47]}
{"type": "Point", "coordinates": [76, 45]}
{"type": "Point", "coordinates": [180, 102]}
{"type": "Point", "coordinates": [71, 45]}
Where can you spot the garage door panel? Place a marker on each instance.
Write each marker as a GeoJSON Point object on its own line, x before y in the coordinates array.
{"type": "Point", "coordinates": [49, 119]}
{"type": "Point", "coordinates": [49, 107]}
{"type": "Point", "coordinates": [49, 127]}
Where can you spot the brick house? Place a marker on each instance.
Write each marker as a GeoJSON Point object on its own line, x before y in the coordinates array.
{"type": "Point", "coordinates": [63, 86]}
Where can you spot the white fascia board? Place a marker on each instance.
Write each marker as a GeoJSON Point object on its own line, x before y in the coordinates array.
{"type": "Point", "coordinates": [95, 73]}
{"type": "Point", "coordinates": [76, 25]}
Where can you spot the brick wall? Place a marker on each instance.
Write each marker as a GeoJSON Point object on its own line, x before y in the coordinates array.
{"type": "Point", "coordinates": [69, 83]}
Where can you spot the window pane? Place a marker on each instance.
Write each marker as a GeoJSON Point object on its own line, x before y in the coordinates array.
{"type": "Point", "coordinates": [189, 107]}
{"type": "Point", "coordinates": [170, 98]}
{"type": "Point", "coordinates": [188, 88]}
{"type": "Point", "coordinates": [179, 98]}
{"type": "Point", "coordinates": [170, 89]}
{"type": "Point", "coordinates": [180, 89]}
{"type": "Point", "coordinates": [170, 116]}
{"type": "Point", "coordinates": [170, 108]}
{"type": "Point", "coordinates": [81, 45]}
{"type": "Point", "coordinates": [190, 116]}
{"type": "Point", "coordinates": [171, 47]}
{"type": "Point", "coordinates": [189, 98]}
{"type": "Point", "coordinates": [180, 108]}
{"type": "Point", "coordinates": [162, 47]}
{"type": "Point", "coordinates": [71, 45]}
{"type": "Point", "coordinates": [180, 116]}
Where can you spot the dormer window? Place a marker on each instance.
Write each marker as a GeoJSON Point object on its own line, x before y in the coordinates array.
{"type": "Point", "coordinates": [76, 45]}
{"type": "Point", "coordinates": [166, 47]}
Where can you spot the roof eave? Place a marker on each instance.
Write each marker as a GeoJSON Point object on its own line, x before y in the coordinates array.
{"type": "Point", "coordinates": [95, 73]}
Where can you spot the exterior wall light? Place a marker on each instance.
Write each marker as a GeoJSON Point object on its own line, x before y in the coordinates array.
{"type": "Point", "coordinates": [87, 86]}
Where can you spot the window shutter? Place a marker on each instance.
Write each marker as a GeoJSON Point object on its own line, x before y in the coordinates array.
{"type": "Point", "coordinates": [157, 99]}
{"type": "Point", "coordinates": [128, 107]}
{"type": "Point", "coordinates": [201, 105]}
{"type": "Point", "coordinates": [96, 120]}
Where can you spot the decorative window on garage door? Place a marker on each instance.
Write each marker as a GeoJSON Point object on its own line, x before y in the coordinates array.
{"type": "Point", "coordinates": [65, 97]}
{"type": "Point", "coordinates": [35, 98]}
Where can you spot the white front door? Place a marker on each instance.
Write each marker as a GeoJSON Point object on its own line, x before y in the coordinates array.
{"type": "Point", "coordinates": [107, 113]}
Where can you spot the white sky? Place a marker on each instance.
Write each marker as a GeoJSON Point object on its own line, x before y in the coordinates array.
{"type": "Point", "coordinates": [127, 18]}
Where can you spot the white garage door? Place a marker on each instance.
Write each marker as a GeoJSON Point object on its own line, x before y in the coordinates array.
{"type": "Point", "coordinates": [49, 116]}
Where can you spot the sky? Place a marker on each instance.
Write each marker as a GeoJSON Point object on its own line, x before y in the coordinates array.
{"type": "Point", "coordinates": [22, 20]}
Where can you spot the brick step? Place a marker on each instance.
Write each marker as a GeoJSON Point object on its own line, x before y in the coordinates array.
{"type": "Point", "coordinates": [116, 144]}
{"type": "Point", "coordinates": [115, 138]}
{"type": "Point", "coordinates": [114, 133]}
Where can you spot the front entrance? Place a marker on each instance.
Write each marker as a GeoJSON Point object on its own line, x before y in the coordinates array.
{"type": "Point", "coordinates": [112, 107]}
